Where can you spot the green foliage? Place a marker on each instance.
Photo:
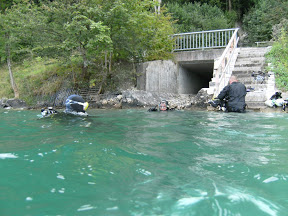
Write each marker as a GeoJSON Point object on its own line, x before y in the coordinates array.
{"type": "Point", "coordinates": [233, 9]}
{"type": "Point", "coordinates": [278, 56]}
{"type": "Point", "coordinates": [232, 17]}
{"type": "Point", "coordinates": [137, 32]}
{"type": "Point", "coordinates": [259, 21]}
{"type": "Point", "coordinates": [196, 17]}
{"type": "Point", "coordinates": [85, 35]}
{"type": "Point", "coordinates": [279, 29]}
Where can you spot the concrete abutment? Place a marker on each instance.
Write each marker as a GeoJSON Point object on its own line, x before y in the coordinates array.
{"type": "Point", "coordinates": [187, 74]}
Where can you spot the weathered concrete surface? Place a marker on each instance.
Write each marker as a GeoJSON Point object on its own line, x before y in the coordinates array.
{"type": "Point", "coordinates": [198, 55]}
{"type": "Point", "coordinates": [161, 76]}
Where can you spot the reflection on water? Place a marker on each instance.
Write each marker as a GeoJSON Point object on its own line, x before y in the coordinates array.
{"type": "Point", "coordinates": [134, 162]}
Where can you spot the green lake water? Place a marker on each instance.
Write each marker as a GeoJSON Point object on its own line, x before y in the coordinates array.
{"type": "Point", "coordinates": [134, 162]}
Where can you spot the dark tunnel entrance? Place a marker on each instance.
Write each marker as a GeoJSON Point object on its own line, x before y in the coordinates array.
{"type": "Point", "coordinates": [194, 76]}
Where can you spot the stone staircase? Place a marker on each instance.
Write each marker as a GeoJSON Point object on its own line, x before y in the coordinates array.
{"type": "Point", "coordinates": [89, 94]}
{"type": "Point", "coordinates": [250, 70]}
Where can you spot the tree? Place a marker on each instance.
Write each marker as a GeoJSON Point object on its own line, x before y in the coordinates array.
{"type": "Point", "coordinates": [87, 37]}
{"type": "Point", "coordinates": [196, 17]}
{"type": "Point", "coordinates": [259, 21]}
{"type": "Point", "coordinates": [19, 27]}
{"type": "Point", "coordinates": [136, 30]}
{"type": "Point", "coordinates": [90, 33]}
{"type": "Point", "coordinates": [230, 7]}
{"type": "Point", "coordinates": [10, 42]}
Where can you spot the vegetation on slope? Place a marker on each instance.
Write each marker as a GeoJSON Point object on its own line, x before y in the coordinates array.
{"type": "Point", "coordinates": [53, 44]}
{"type": "Point", "coordinates": [278, 56]}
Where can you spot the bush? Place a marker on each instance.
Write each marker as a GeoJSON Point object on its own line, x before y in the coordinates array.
{"type": "Point", "coordinates": [259, 21]}
{"type": "Point", "coordinates": [278, 56]}
{"type": "Point", "coordinates": [191, 17]}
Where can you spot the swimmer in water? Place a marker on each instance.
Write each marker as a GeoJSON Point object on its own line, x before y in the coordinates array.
{"type": "Point", "coordinates": [163, 106]}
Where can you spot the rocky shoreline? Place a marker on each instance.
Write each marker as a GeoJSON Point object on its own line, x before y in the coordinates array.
{"type": "Point", "coordinates": [130, 99]}
{"type": "Point", "coordinates": [121, 100]}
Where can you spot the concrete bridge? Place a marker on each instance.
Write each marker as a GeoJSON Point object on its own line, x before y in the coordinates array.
{"type": "Point", "coordinates": [201, 60]}
{"type": "Point", "coordinates": [206, 60]}
{"type": "Point", "coordinates": [188, 73]}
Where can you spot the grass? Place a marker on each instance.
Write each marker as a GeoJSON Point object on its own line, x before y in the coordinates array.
{"type": "Point", "coordinates": [278, 57]}
{"type": "Point", "coordinates": [34, 77]}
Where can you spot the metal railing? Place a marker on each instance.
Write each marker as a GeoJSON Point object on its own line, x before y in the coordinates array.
{"type": "Point", "coordinates": [203, 40]}
{"type": "Point", "coordinates": [222, 66]}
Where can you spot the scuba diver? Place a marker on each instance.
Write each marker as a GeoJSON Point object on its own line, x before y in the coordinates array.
{"type": "Point", "coordinates": [75, 105]}
{"type": "Point", "coordinates": [163, 106]}
{"type": "Point", "coordinates": [219, 104]}
{"type": "Point", "coordinates": [49, 111]}
{"type": "Point", "coordinates": [232, 95]}
{"type": "Point", "coordinates": [277, 101]}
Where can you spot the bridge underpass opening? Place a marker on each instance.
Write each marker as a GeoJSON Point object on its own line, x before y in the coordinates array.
{"type": "Point", "coordinates": [193, 76]}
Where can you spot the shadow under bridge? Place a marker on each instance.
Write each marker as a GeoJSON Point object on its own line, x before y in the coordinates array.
{"type": "Point", "coordinates": [194, 75]}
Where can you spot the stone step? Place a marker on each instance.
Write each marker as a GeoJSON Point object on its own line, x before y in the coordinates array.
{"type": "Point", "coordinates": [249, 79]}
{"type": "Point", "coordinates": [256, 96]}
{"type": "Point", "coordinates": [255, 105]}
{"type": "Point", "coordinates": [248, 69]}
{"type": "Point", "coordinates": [253, 82]}
{"type": "Point", "coordinates": [253, 50]}
{"type": "Point", "coordinates": [250, 58]}
{"type": "Point", "coordinates": [250, 61]}
{"type": "Point", "coordinates": [248, 76]}
{"type": "Point", "coordinates": [256, 87]}
{"type": "Point", "coordinates": [248, 64]}
{"type": "Point", "coordinates": [248, 73]}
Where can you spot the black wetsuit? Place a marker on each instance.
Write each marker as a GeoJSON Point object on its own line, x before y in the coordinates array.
{"type": "Point", "coordinates": [234, 94]}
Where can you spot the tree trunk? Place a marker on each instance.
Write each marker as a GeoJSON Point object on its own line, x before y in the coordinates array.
{"type": "Point", "coordinates": [230, 5]}
{"type": "Point", "coordinates": [85, 66]}
{"type": "Point", "coordinates": [13, 84]}
{"type": "Point", "coordinates": [157, 8]}
{"type": "Point", "coordinates": [85, 62]}
{"type": "Point", "coordinates": [105, 73]}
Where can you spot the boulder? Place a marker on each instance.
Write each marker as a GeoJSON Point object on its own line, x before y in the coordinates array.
{"type": "Point", "coordinates": [12, 103]}
{"type": "Point", "coordinates": [16, 103]}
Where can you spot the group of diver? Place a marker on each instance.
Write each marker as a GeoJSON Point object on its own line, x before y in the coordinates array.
{"type": "Point", "coordinates": [230, 99]}
{"type": "Point", "coordinates": [76, 105]}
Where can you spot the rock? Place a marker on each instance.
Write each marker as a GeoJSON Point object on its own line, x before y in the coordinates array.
{"type": "Point", "coordinates": [119, 97]}
{"type": "Point", "coordinates": [3, 103]}
{"type": "Point", "coordinates": [118, 105]}
{"type": "Point", "coordinates": [13, 103]}
{"type": "Point", "coordinates": [201, 99]}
